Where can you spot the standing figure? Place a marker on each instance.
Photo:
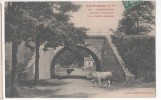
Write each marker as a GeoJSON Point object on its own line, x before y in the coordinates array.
{"type": "Point", "coordinates": [56, 68]}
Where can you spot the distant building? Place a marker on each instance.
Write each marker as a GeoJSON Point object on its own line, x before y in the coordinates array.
{"type": "Point", "coordinates": [89, 62]}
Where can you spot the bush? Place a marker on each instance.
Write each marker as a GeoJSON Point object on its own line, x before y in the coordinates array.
{"type": "Point", "coordinates": [138, 53]}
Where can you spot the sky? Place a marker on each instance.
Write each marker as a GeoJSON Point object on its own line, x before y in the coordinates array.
{"type": "Point", "coordinates": [98, 25]}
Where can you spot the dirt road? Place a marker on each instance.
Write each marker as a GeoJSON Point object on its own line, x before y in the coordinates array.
{"type": "Point", "coordinates": [81, 88]}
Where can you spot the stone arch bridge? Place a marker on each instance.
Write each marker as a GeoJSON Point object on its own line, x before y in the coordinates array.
{"type": "Point", "coordinates": [102, 50]}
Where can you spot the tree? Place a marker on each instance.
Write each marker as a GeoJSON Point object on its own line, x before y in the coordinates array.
{"type": "Point", "coordinates": [52, 29]}
{"type": "Point", "coordinates": [137, 20]}
{"type": "Point", "coordinates": [72, 56]}
{"type": "Point", "coordinates": [13, 35]}
{"type": "Point", "coordinates": [43, 23]}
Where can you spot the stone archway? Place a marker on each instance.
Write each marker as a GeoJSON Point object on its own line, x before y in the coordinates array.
{"type": "Point", "coordinates": [102, 50]}
{"type": "Point", "coordinates": [94, 56]}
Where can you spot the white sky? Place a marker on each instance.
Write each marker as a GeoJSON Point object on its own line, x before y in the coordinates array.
{"type": "Point", "coordinates": [99, 24]}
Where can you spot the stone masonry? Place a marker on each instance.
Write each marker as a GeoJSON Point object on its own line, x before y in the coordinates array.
{"type": "Point", "coordinates": [100, 46]}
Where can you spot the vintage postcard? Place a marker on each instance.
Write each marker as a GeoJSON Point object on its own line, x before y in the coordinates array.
{"type": "Point", "coordinates": [80, 49]}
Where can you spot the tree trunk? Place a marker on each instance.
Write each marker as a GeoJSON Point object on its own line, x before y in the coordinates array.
{"type": "Point", "coordinates": [137, 27]}
{"type": "Point", "coordinates": [37, 65]}
{"type": "Point", "coordinates": [137, 23]}
{"type": "Point", "coordinates": [14, 82]}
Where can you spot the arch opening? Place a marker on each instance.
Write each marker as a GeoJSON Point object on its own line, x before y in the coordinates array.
{"type": "Point", "coordinates": [96, 60]}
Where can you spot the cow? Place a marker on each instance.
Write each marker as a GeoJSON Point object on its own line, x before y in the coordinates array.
{"type": "Point", "coordinates": [101, 76]}
{"type": "Point", "coordinates": [69, 71]}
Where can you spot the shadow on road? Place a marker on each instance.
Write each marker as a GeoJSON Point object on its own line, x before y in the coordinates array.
{"type": "Point", "coordinates": [36, 93]}
{"type": "Point", "coordinates": [75, 95]}
{"type": "Point", "coordinates": [69, 77]}
{"type": "Point", "coordinates": [43, 83]}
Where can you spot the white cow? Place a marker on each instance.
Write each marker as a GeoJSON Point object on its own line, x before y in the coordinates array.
{"type": "Point", "coordinates": [101, 76]}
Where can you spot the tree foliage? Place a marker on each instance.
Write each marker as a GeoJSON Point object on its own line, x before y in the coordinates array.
{"type": "Point", "coordinates": [72, 56]}
{"type": "Point", "coordinates": [138, 54]}
{"type": "Point", "coordinates": [42, 23]}
{"type": "Point", "coordinates": [138, 19]}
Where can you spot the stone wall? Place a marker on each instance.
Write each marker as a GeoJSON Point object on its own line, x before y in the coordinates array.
{"type": "Point", "coordinates": [45, 62]}
{"type": "Point", "coordinates": [110, 62]}
{"type": "Point", "coordinates": [100, 46]}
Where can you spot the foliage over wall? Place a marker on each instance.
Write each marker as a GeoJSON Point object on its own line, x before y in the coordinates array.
{"type": "Point", "coordinates": [138, 53]}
